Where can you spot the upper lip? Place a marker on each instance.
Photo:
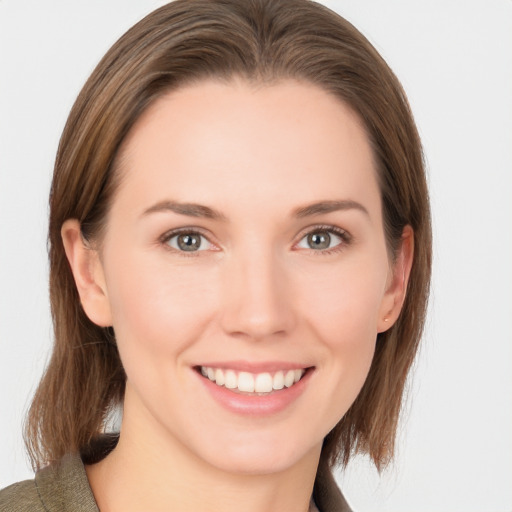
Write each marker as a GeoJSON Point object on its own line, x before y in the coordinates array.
{"type": "Point", "coordinates": [255, 367]}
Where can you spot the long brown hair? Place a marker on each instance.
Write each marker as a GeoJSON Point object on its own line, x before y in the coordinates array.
{"type": "Point", "coordinates": [261, 41]}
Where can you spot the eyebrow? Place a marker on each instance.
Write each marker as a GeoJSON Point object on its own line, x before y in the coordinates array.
{"type": "Point", "coordinates": [323, 207]}
{"type": "Point", "coordinates": [188, 209]}
{"type": "Point", "coordinates": [199, 210]}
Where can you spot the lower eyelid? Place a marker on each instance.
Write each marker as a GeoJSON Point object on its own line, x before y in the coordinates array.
{"type": "Point", "coordinates": [342, 234]}
{"type": "Point", "coordinates": [167, 237]}
{"type": "Point", "coordinates": [203, 242]}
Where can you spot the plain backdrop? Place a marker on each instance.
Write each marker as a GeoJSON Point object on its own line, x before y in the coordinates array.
{"type": "Point", "coordinates": [454, 58]}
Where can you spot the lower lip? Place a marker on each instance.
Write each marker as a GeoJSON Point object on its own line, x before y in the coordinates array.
{"type": "Point", "coordinates": [256, 405]}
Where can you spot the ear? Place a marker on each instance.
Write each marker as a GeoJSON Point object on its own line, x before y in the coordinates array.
{"type": "Point", "coordinates": [396, 290]}
{"type": "Point", "coordinates": [88, 273]}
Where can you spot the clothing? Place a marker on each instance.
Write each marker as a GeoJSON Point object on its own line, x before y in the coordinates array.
{"type": "Point", "coordinates": [63, 487]}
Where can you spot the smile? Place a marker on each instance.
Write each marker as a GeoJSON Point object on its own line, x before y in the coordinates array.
{"type": "Point", "coordinates": [255, 383]}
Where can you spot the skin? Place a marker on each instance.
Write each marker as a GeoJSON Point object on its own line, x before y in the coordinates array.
{"type": "Point", "coordinates": [256, 291]}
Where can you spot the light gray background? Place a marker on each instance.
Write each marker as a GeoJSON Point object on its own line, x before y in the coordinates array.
{"type": "Point", "coordinates": [454, 58]}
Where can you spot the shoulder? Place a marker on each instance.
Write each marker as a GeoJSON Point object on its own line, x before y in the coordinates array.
{"type": "Point", "coordinates": [58, 487]}
{"type": "Point", "coordinates": [21, 497]}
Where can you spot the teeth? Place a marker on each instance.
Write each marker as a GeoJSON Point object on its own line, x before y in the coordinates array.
{"type": "Point", "coordinates": [231, 379]}
{"type": "Point", "coordinates": [219, 377]}
{"type": "Point", "coordinates": [289, 378]}
{"type": "Point", "coordinates": [278, 382]}
{"type": "Point", "coordinates": [263, 383]}
{"type": "Point", "coordinates": [253, 383]}
{"type": "Point", "coordinates": [245, 382]}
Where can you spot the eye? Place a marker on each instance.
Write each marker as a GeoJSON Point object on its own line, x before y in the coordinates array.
{"type": "Point", "coordinates": [188, 241]}
{"type": "Point", "coordinates": [323, 239]}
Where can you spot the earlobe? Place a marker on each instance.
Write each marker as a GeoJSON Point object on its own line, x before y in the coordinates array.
{"type": "Point", "coordinates": [397, 288]}
{"type": "Point", "coordinates": [88, 274]}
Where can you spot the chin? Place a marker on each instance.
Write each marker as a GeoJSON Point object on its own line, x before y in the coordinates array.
{"type": "Point", "coordinates": [259, 456]}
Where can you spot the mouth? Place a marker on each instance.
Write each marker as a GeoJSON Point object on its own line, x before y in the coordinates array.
{"type": "Point", "coordinates": [255, 384]}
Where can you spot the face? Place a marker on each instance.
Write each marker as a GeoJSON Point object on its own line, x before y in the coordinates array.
{"type": "Point", "coordinates": [244, 269]}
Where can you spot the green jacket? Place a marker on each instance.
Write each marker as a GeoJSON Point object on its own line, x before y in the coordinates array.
{"type": "Point", "coordinates": [63, 487]}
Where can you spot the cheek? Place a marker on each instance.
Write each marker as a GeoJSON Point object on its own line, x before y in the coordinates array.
{"type": "Point", "coordinates": [344, 303]}
{"type": "Point", "coordinates": [342, 311]}
{"type": "Point", "coordinates": [158, 309]}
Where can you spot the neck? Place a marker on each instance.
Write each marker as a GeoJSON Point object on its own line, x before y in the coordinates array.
{"type": "Point", "coordinates": [151, 470]}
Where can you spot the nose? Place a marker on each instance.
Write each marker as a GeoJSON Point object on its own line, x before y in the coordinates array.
{"type": "Point", "coordinates": [258, 299]}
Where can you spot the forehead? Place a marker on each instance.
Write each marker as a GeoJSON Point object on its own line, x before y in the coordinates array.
{"type": "Point", "coordinates": [227, 142]}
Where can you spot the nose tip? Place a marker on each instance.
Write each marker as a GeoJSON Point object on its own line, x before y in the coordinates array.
{"type": "Point", "coordinates": [255, 323]}
{"type": "Point", "coordinates": [258, 302]}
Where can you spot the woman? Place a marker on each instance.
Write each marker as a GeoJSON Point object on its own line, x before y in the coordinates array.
{"type": "Point", "coordinates": [240, 256]}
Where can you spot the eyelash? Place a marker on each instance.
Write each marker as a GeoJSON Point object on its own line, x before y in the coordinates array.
{"type": "Point", "coordinates": [345, 236]}
{"type": "Point", "coordinates": [169, 235]}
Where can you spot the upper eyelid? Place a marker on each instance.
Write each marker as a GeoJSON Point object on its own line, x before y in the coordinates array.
{"type": "Point", "coordinates": [178, 231]}
{"type": "Point", "coordinates": [343, 233]}
{"type": "Point", "coordinates": [324, 227]}
{"type": "Point", "coordinates": [164, 240]}
{"type": "Point", "coordinates": [345, 236]}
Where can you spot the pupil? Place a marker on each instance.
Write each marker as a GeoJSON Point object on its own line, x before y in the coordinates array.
{"type": "Point", "coordinates": [189, 242]}
{"type": "Point", "coordinates": [320, 240]}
